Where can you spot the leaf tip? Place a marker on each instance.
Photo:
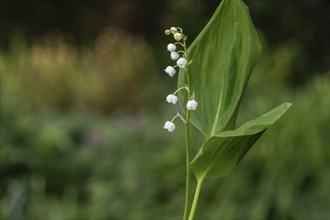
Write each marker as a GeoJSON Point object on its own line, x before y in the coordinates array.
{"type": "Point", "coordinates": [287, 105]}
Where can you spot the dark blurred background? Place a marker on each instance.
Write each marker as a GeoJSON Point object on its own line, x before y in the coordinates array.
{"type": "Point", "coordinates": [83, 106]}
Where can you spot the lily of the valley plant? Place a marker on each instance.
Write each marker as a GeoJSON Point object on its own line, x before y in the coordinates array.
{"type": "Point", "coordinates": [212, 76]}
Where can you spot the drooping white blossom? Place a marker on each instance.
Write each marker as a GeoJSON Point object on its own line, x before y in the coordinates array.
{"type": "Point", "coordinates": [171, 47]}
{"type": "Point", "coordinates": [192, 105]}
{"type": "Point", "coordinates": [170, 126]}
{"type": "Point", "coordinates": [172, 99]}
{"type": "Point", "coordinates": [170, 71]}
{"type": "Point", "coordinates": [174, 55]}
{"type": "Point", "coordinates": [182, 62]}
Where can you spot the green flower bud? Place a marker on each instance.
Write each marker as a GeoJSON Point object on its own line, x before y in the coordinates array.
{"type": "Point", "coordinates": [174, 30]}
{"type": "Point", "coordinates": [178, 36]}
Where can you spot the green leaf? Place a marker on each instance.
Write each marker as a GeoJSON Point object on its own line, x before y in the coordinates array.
{"type": "Point", "coordinates": [224, 55]}
{"type": "Point", "coordinates": [220, 154]}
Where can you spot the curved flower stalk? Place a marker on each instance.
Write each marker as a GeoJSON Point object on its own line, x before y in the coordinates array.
{"type": "Point", "coordinates": [225, 54]}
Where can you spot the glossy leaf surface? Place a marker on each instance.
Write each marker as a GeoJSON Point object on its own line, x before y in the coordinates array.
{"type": "Point", "coordinates": [221, 153]}
{"type": "Point", "coordinates": [224, 55]}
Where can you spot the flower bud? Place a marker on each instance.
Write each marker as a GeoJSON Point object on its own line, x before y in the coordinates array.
{"type": "Point", "coordinates": [172, 99]}
{"type": "Point", "coordinates": [171, 47]}
{"type": "Point", "coordinates": [178, 36]}
{"type": "Point", "coordinates": [192, 105]}
{"type": "Point", "coordinates": [170, 71]}
{"type": "Point", "coordinates": [173, 30]}
{"type": "Point", "coordinates": [174, 55]}
{"type": "Point", "coordinates": [167, 32]}
{"type": "Point", "coordinates": [182, 62]}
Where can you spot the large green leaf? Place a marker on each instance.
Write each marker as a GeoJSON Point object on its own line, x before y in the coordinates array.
{"type": "Point", "coordinates": [224, 55]}
{"type": "Point", "coordinates": [221, 153]}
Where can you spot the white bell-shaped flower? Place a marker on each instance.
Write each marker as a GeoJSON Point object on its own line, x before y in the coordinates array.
{"type": "Point", "coordinates": [171, 47]}
{"type": "Point", "coordinates": [172, 99]}
{"type": "Point", "coordinates": [192, 105]}
{"type": "Point", "coordinates": [170, 126]}
{"type": "Point", "coordinates": [174, 55]}
{"type": "Point", "coordinates": [182, 62]}
{"type": "Point", "coordinates": [170, 71]}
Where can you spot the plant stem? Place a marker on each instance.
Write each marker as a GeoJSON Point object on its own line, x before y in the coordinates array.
{"type": "Point", "coordinates": [196, 196]}
{"type": "Point", "coordinates": [186, 206]}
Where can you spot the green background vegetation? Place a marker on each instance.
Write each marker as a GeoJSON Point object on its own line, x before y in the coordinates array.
{"type": "Point", "coordinates": [83, 106]}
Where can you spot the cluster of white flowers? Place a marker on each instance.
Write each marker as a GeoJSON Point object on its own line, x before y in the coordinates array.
{"type": "Point", "coordinates": [181, 62]}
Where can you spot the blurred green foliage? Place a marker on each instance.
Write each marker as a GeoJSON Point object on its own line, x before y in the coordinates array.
{"type": "Point", "coordinates": [302, 22]}
{"type": "Point", "coordinates": [54, 74]}
{"type": "Point", "coordinates": [58, 164]}
{"type": "Point", "coordinates": [78, 166]}
{"type": "Point", "coordinates": [81, 125]}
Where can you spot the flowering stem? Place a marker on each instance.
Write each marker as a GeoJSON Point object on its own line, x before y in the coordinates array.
{"type": "Point", "coordinates": [186, 207]}
{"type": "Point", "coordinates": [196, 196]}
